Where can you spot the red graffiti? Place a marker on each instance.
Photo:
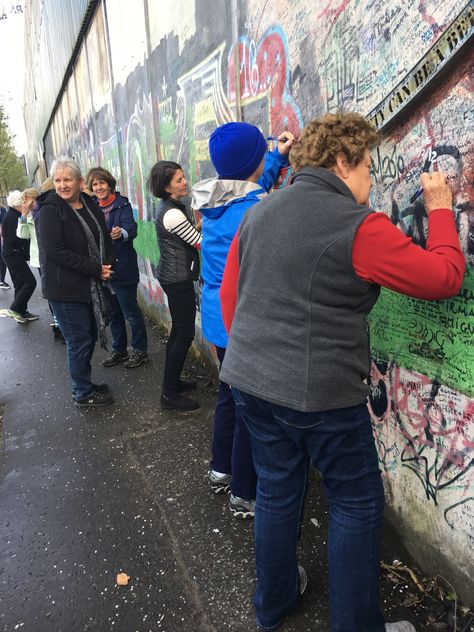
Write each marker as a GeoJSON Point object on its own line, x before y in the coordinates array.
{"type": "Point", "coordinates": [155, 293]}
{"type": "Point", "coordinates": [435, 425]}
{"type": "Point", "coordinates": [333, 12]}
{"type": "Point", "coordinates": [264, 74]}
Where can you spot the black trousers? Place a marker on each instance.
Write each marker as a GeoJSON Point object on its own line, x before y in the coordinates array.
{"type": "Point", "coordinates": [182, 304]}
{"type": "Point", "coordinates": [3, 267]}
{"type": "Point", "coordinates": [23, 280]}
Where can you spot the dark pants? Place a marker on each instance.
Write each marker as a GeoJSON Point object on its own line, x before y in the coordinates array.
{"type": "Point", "coordinates": [124, 306]}
{"type": "Point", "coordinates": [79, 329]}
{"type": "Point", "coordinates": [23, 281]}
{"type": "Point", "coordinates": [3, 267]}
{"type": "Point", "coordinates": [231, 449]}
{"type": "Point", "coordinates": [340, 445]}
{"type": "Point", "coordinates": [182, 306]}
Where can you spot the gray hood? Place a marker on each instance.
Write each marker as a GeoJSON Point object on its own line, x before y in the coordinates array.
{"type": "Point", "coordinates": [212, 195]}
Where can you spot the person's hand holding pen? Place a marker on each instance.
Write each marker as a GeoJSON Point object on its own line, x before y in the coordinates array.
{"type": "Point", "coordinates": [436, 191]}
{"type": "Point", "coordinates": [285, 141]}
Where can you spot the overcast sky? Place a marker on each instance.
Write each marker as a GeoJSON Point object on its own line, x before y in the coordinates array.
{"type": "Point", "coordinates": [12, 64]}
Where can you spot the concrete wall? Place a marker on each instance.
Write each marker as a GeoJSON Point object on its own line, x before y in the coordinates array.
{"type": "Point", "coordinates": [152, 80]}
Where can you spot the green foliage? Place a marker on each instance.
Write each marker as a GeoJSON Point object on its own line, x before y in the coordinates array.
{"type": "Point", "coordinates": [12, 173]}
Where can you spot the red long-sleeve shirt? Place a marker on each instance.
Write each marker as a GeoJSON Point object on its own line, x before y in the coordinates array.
{"type": "Point", "coordinates": [382, 254]}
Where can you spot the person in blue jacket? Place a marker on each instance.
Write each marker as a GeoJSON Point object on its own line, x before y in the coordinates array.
{"type": "Point", "coordinates": [120, 222]}
{"type": "Point", "coordinates": [246, 173]}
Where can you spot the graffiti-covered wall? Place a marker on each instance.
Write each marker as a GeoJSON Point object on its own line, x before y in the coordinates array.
{"type": "Point", "coordinates": [153, 80]}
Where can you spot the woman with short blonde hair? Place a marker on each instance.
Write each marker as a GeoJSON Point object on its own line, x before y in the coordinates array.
{"type": "Point", "coordinates": [26, 228]}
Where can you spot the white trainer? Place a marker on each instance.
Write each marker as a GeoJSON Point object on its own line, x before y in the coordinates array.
{"type": "Point", "coordinates": [399, 626]}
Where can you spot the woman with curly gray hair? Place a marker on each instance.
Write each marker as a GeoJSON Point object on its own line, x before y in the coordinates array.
{"type": "Point", "coordinates": [313, 257]}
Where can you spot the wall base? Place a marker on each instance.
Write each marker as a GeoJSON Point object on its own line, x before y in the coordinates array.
{"type": "Point", "coordinates": [431, 558]}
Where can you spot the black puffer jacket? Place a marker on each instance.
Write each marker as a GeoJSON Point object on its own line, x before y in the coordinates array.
{"type": "Point", "coordinates": [64, 255]}
{"type": "Point", "coordinates": [179, 261]}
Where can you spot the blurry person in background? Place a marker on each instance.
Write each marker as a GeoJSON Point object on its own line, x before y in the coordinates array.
{"type": "Point", "coordinates": [3, 267]}
{"type": "Point", "coordinates": [118, 215]}
{"type": "Point", "coordinates": [76, 258]}
{"type": "Point", "coordinates": [26, 226]}
{"type": "Point", "coordinates": [16, 253]}
{"type": "Point", "coordinates": [46, 186]}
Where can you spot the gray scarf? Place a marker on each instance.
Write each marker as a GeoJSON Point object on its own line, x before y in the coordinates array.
{"type": "Point", "coordinates": [99, 290]}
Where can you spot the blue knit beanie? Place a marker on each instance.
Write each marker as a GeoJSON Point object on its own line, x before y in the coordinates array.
{"type": "Point", "coordinates": [236, 150]}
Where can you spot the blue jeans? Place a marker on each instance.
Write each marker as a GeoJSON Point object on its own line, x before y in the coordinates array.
{"type": "Point", "coordinates": [77, 324]}
{"type": "Point", "coordinates": [125, 307]}
{"type": "Point", "coordinates": [340, 444]}
{"type": "Point", "coordinates": [231, 449]}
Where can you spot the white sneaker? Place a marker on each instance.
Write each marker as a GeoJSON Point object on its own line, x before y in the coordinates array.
{"type": "Point", "coordinates": [303, 579]}
{"type": "Point", "coordinates": [219, 483]}
{"type": "Point", "coordinates": [399, 626]}
{"type": "Point", "coordinates": [241, 508]}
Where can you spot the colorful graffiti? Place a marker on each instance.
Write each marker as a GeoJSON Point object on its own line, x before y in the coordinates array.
{"type": "Point", "coordinates": [426, 428]}
{"type": "Point", "coordinates": [298, 59]}
{"type": "Point", "coordinates": [265, 83]}
{"type": "Point", "coordinates": [187, 118]}
{"type": "Point", "coordinates": [433, 338]}
{"type": "Point", "coordinates": [434, 435]}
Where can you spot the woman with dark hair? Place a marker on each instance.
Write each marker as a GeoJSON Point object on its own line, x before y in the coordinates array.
{"type": "Point", "coordinates": [179, 241]}
{"type": "Point", "coordinates": [118, 215]}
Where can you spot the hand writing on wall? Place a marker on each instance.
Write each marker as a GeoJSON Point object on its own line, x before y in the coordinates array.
{"type": "Point", "coordinates": [436, 191]}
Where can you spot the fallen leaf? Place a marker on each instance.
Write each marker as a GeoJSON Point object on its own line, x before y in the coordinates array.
{"type": "Point", "coordinates": [122, 579]}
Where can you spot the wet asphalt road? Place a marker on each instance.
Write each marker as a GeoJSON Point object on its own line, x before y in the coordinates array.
{"type": "Point", "coordinates": [88, 494]}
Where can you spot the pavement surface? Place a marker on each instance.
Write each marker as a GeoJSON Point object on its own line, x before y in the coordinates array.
{"type": "Point", "coordinates": [87, 494]}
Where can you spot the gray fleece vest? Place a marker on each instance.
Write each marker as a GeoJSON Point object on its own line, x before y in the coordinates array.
{"type": "Point", "coordinates": [299, 336]}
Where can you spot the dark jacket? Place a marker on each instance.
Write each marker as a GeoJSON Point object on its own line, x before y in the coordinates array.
{"type": "Point", "coordinates": [13, 245]}
{"type": "Point", "coordinates": [66, 267]}
{"type": "Point", "coordinates": [3, 212]}
{"type": "Point", "coordinates": [126, 267]}
{"type": "Point", "coordinates": [178, 260]}
{"type": "Point", "coordinates": [299, 337]}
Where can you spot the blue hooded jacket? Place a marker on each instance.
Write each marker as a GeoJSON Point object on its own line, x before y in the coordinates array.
{"type": "Point", "coordinates": [223, 204]}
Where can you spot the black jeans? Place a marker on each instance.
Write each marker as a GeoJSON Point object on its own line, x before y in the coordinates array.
{"type": "Point", "coordinates": [23, 280]}
{"type": "Point", "coordinates": [3, 267]}
{"type": "Point", "coordinates": [182, 305]}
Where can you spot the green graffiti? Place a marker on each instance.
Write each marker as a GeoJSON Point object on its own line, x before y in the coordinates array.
{"type": "Point", "coordinates": [167, 139]}
{"type": "Point", "coordinates": [192, 145]}
{"type": "Point", "coordinates": [146, 243]}
{"type": "Point", "coordinates": [435, 338]}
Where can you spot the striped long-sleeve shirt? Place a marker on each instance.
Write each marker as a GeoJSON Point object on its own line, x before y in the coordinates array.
{"type": "Point", "coordinates": [175, 221]}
